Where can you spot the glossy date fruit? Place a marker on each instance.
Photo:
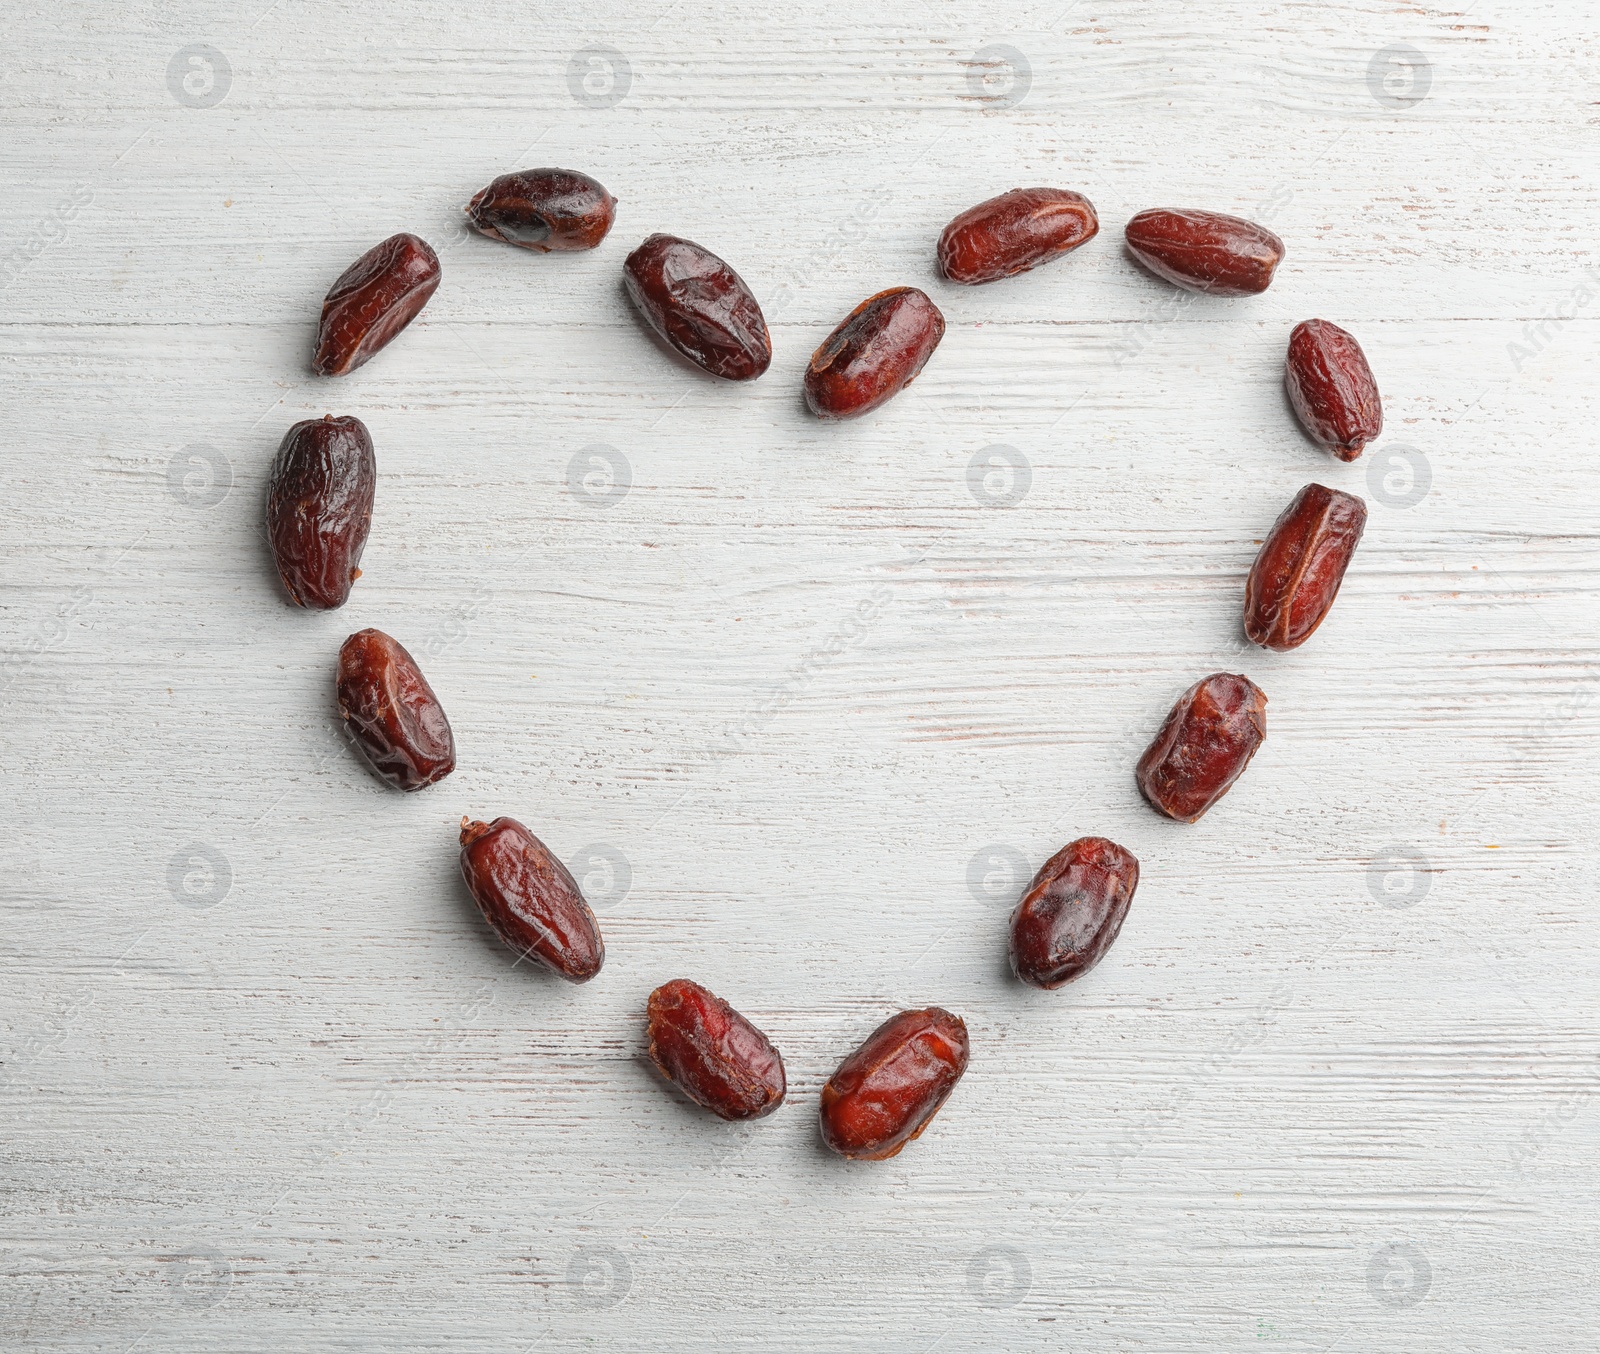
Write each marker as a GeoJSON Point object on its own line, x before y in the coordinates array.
{"type": "Point", "coordinates": [1332, 388]}
{"type": "Point", "coordinates": [374, 299]}
{"type": "Point", "coordinates": [544, 209]}
{"type": "Point", "coordinates": [712, 1053]}
{"type": "Point", "coordinates": [530, 898]}
{"type": "Point", "coordinates": [1204, 745]}
{"type": "Point", "coordinates": [1299, 568]}
{"type": "Point", "coordinates": [885, 1093]}
{"type": "Point", "coordinates": [392, 713]}
{"type": "Point", "coordinates": [1014, 232]}
{"type": "Point", "coordinates": [874, 354]}
{"type": "Point", "coordinates": [1072, 912]}
{"type": "Point", "coordinates": [696, 303]}
{"type": "Point", "coordinates": [319, 508]}
{"type": "Point", "coordinates": [1205, 251]}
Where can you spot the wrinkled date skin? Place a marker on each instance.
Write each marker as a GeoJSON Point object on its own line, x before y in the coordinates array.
{"type": "Point", "coordinates": [1300, 566]}
{"type": "Point", "coordinates": [374, 299]}
{"type": "Point", "coordinates": [544, 210]}
{"type": "Point", "coordinates": [319, 509]}
{"type": "Point", "coordinates": [886, 1092]}
{"type": "Point", "coordinates": [393, 715]}
{"type": "Point", "coordinates": [530, 898]}
{"type": "Point", "coordinates": [1205, 251]}
{"type": "Point", "coordinates": [699, 306]}
{"type": "Point", "coordinates": [1204, 746]}
{"type": "Point", "coordinates": [1332, 388]}
{"type": "Point", "coordinates": [712, 1053]}
{"type": "Point", "coordinates": [1014, 232]}
{"type": "Point", "coordinates": [874, 354]}
{"type": "Point", "coordinates": [1072, 912]}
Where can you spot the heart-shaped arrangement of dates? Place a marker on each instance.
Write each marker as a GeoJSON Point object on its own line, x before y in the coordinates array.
{"type": "Point", "coordinates": [886, 1092]}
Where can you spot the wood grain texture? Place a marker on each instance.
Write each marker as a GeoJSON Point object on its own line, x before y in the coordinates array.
{"type": "Point", "coordinates": [820, 703]}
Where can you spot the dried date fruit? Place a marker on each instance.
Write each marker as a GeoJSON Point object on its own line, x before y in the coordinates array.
{"type": "Point", "coordinates": [392, 713]}
{"type": "Point", "coordinates": [544, 209]}
{"type": "Point", "coordinates": [530, 898]}
{"type": "Point", "coordinates": [885, 1093]}
{"type": "Point", "coordinates": [1205, 251]}
{"type": "Point", "coordinates": [1204, 745]}
{"type": "Point", "coordinates": [1014, 232]}
{"type": "Point", "coordinates": [374, 299]}
{"type": "Point", "coordinates": [319, 508]}
{"type": "Point", "coordinates": [1072, 912]}
{"type": "Point", "coordinates": [874, 354]}
{"type": "Point", "coordinates": [1299, 568]}
{"type": "Point", "coordinates": [712, 1053]}
{"type": "Point", "coordinates": [700, 306]}
{"type": "Point", "coordinates": [1332, 389]}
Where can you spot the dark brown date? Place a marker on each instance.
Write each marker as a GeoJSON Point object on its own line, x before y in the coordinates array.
{"type": "Point", "coordinates": [700, 306]}
{"type": "Point", "coordinates": [1204, 746]}
{"type": "Point", "coordinates": [1014, 232]}
{"type": "Point", "coordinates": [1299, 568]}
{"type": "Point", "coordinates": [886, 1092]}
{"type": "Point", "coordinates": [544, 209]}
{"type": "Point", "coordinates": [319, 509]}
{"type": "Point", "coordinates": [712, 1053]}
{"type": "Point", "coordinates": [1072, 912]}
{"type": "Point", "coordinates": [530, 898]}
{"type": "Point", "coordinates": [1332, 388]}
{"type": "Point", "coordinates": [374, 299]}
{"type": "Point", "coordinates": [874, 354]}
{"type": "Point", "coordinates": [393, 715]}
{"type": "Point", "coordinates": [1205, 251]}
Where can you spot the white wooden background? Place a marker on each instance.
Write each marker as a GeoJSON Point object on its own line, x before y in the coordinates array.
{"type": "Point", "coordinates": [268, 1083]}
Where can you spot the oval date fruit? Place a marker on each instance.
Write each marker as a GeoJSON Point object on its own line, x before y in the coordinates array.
{"type": "Point", "coordinates": [700, 306]}
{"type": "Point", "coordinates": [393, 715]}
{"type": "Point", "coordinates": [1014, 232]}
{"type": "Point", "coordinates": [544, 209]}
{"type": "Point", "coordinates": [712, 1053]}
{"type": "Point", "coordinates": [530, 898]}
{"type": "Point", "coordinates": [319, 508]}
{"type": "Point", "coordinates": [1205, 251]}
{"type": "Point", "coordinates": [374, 299]}
{"type": "Point", "coordinates": [1299, 568]}
{"type": "Point", "coordinates": [1072, 911]}
{"type": "Point", "coordinates": [874, 354]}
{"type": "Point", "coordinates": [1206, 742]}
{"type": "Point", "coordinates": [1332, 388]}
{"type": "Point", "coordinates": [886, 1092]}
